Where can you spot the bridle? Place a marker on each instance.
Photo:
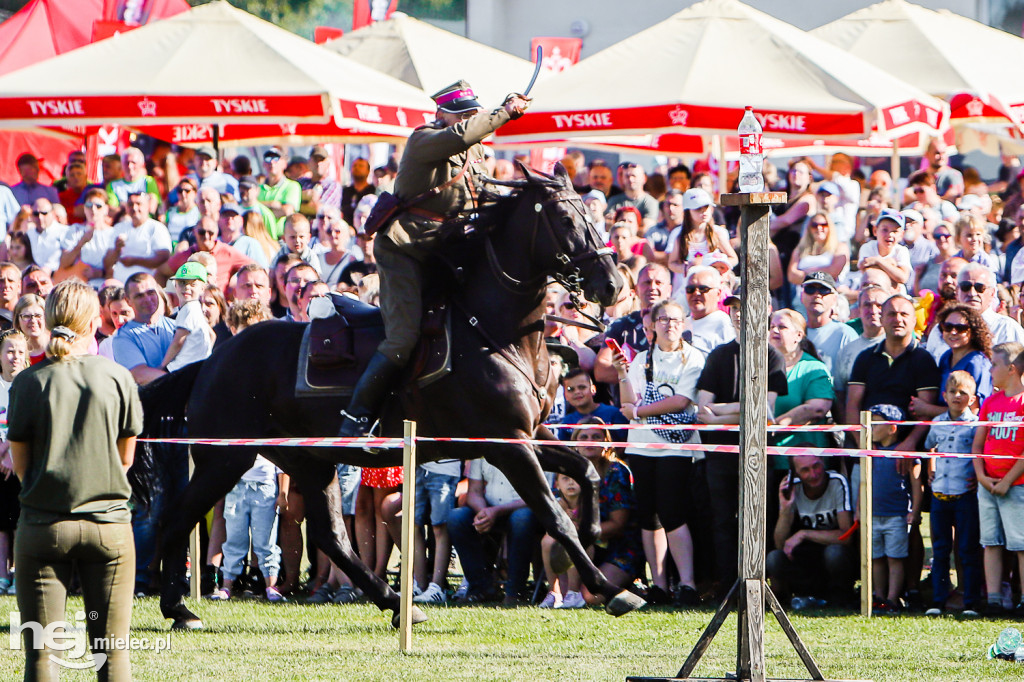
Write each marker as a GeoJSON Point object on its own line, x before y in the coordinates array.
{"type": "Point", "coordinates": [571, 280]}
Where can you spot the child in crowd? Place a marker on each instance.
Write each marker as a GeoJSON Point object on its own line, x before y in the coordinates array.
{"type": "Point", "coordinates": [565, 587]}
{"type": "Point", "coordinates": [885, 251]}
{"type": "Point", "coordinates": [13, 359]}
{"type": "Point", "coordinates": [954, 502]}
{"type": "Point", "coordinates": [435, 498]}
{"type": "Point", "coordinates": [1001, 479]}
{"type": "Point", "coordinates": [193, 337]}
{"type": "Point", "coordinates": [896, 499]}
{"type": "Point", "coordinates": [252, 507]}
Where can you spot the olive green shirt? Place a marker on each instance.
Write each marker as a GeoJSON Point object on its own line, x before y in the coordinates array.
{"type": "Point", "coordinates": [71, 414]}
{"type": "Point", "coordinates": [434, 155]}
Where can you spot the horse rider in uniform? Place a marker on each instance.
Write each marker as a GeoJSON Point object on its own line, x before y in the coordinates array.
{"type": "Point", "coordinates": [434, 176]}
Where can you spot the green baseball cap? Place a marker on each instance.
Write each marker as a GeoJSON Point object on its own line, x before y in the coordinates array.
{"type": "Point", "coordinates": [191, 270]}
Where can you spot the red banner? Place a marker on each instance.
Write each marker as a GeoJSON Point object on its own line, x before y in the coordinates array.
{"type": "Point", "coordinates": [365, 12]}
{"type": "Point", "coordinates": [321, 34]}
{"type": "Point", "coordinates": [559, 53]}
{"type": "Point", "coordinates": [106, 140]}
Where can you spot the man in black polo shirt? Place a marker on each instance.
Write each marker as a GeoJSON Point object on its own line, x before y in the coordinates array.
{"type": "Point", "coordinates": [895, 370]}
{"type": "Point", "coordinates": [718, 399]}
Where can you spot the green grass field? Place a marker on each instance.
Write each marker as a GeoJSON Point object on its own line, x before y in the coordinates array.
{"type": "Point", "coordinates": [253, 640]}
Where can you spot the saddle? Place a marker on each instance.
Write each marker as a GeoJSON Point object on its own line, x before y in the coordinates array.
{"type": "Point", "coordinates": [336, 349]}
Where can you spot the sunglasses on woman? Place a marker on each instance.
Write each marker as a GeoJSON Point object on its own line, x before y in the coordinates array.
{"type": "Point", "coordinates": [954, 328]}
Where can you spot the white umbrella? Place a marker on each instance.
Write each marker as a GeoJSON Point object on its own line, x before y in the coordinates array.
{"type": "Point", "coordinates": [695, 72]}
{"type": "Point", "coordinates": [431, 58]}
{"type": "Point", "coordinates": [212, 64]}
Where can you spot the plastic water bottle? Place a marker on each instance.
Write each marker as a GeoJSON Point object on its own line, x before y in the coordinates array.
{"type": "Point", "coordinates": [1018, 655]}
{"type": "Point", "coordinates": [751, 153]}
{"type": "Point", "coordinates": [1006, 645]}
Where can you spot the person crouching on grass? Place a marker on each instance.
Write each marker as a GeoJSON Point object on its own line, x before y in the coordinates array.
{"type": "Point", "coordinates": [193, 337]}
{"type": "Point", "coordinates": [954, 497]}
{"type": "Point", "coordinates": [74, 417]}
{"type": "Point", "coordinates": [1001, 479]}
{"type": "Point", "coordinates": [896, 495]}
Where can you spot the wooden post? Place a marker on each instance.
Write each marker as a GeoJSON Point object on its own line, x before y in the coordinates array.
{"type": "Point", "coordinates": [750, 594]}
{"type": "Point", "coordinates": [865, 511]}
{"type": "Point", "coordinates": [408, 536]}
{"type": "Point", "coordinates": [198, 562]}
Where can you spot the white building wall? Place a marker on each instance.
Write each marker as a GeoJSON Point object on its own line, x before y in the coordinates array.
{"type": "Point", "coordinates": [510, 24]}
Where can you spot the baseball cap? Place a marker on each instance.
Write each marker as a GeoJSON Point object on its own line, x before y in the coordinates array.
{"type": "Point", "coordinates": [191, 270]}
{"type": "Point", "coordinates": [736, 297]}
{"type": "Point", "coordinates": [273, 153]}
{"type": "Point", "coordinates": [889, 413]}
{"type": "Point", "coordinates": [969, 202]}
{"type": "Point", "coordinates": [912, 216]}
{"type": "Point", "coordinates": [894, 216]}
{"type": "Point", "coordinates": [822, 278]}
{"type": "Point", "coordinates": [318, 150]}
{"type": "Point", "coordinates": [207, 152]}
{"type": "Point", "coordinates": [695, 197]}
{"type": "Point", "coordinates": [230, 208]}
{"type": "Point", "coordinates": [716, 257]}
{"type": "Point", "coordinates": [829, 187]}
{"type": "Point", "coordinates": [248, 180]}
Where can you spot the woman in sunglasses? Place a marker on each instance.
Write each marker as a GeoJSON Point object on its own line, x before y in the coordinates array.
{"type": "Point", "coordinates": [946, 242]}
{"type": "Point", "coordinates": [87, 243]}
{"type": "Point", "coordinates": [970, 350]}
{"type": "Point", "coordinates": [819, 250]}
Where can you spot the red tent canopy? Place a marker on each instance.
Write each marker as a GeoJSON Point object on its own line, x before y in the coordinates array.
{"type": "Point", "coordinates": [44, 29]}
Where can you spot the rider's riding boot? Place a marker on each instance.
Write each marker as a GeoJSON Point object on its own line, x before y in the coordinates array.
{"type": "Point", "coordinates": [368, 396]}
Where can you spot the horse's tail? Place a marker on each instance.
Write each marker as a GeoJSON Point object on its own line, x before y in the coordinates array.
{"type": "Point", "coordinates": [163, 406]}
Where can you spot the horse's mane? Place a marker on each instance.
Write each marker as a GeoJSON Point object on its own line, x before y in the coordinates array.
{"type": "Point", "coordinates": [491, 206]}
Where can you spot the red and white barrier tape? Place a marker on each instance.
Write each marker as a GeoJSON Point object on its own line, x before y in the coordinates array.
{"type": "Point", "coordinates": [773, 428]}
{"type": "Point", "coordinates": [683, 447]}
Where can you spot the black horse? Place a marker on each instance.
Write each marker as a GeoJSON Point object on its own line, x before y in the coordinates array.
{"type": "Point", "coordinates": [501, 386]}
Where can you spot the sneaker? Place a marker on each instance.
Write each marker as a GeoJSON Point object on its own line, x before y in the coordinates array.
{"type": "Point", "coordinates": [460, 593]}
{"type": "Point", "coordinates": [220, 594]}
{"type": "Point", "coordinates": [656, 596]}
{"type": "Point", "coordinates": [13, 589]}
{"type": "Point", "coordinates": [493, 594]}
{"type": "Point", "coordinates": [553, 600]}
{"type": "Point", "coordinates": [934, 611]}
{"type": "Point", "coordinates": [274, 596]}
{"type": "Point", "coordinates": [347, 594]}
{"type": "Point", "coordinates": [323, 594]}
{"type": "Point", "coordinates": [434, 594]}
{"type": "Point", "coordinates": [572, 600]}
{"type": "Point", "coordinates": [969, 613]}
{"type": "Point", "coordinates": [686, 597]}
{"type": "Point", "coordinates": [5, 586]}
{"type": "Point", "coordinates": [1007, 594]}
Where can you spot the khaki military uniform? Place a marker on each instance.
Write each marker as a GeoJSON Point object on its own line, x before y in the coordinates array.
{"type": "Point", "coordinates": [433, 155]}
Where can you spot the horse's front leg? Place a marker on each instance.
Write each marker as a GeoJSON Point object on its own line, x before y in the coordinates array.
{"type": "Point", "coordinates": [520, 465]}
{"type": "Point", "coordinates": [565, 460]}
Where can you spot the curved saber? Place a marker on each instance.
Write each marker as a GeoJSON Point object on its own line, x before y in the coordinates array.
{"type": "Point", "coordinates": [536, 70]}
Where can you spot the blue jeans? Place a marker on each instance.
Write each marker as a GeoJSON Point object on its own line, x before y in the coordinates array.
{"type": "Point", "coordinates": [522, 532]}
{"type": "Point", "coordinates": [251, 506]}
{"type": "Point", "coordinates": [961, 514]}
{"type": "Point", "coordinates": [170, 464]}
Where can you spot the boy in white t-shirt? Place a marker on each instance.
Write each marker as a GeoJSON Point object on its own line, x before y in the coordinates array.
{"type": "Point", "coordinates": [193, 336]}
{"type": "Point", "coordinates": [885, 251]}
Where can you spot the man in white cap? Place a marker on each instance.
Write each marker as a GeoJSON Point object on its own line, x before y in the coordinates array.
{"type": "Point", "coordinates": [444, 154]}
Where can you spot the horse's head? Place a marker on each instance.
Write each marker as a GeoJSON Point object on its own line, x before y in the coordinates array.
{"type": "Point", "coordinates": [566, 245]}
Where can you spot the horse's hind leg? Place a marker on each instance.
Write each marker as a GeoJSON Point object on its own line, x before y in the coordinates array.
{"type": "Point", "coordinates": [217, 470]}
{"type": "Point", "coordinates": [520, 465]}
{"type": "Point", "coordinates": [327, 530]}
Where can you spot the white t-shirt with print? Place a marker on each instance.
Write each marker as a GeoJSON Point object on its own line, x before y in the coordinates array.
{"type": "Point", "coordinates": [674, 373]}
{"type": "Point", "coordinates": [140, 242]}
{"type": "Point", "coordinates": [199, 342]}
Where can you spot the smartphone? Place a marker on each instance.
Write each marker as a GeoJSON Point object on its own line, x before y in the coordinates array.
{"type": "Point", "coordinates": [787, 490]}
{"type": "Point", "coordinates": [613, 345]}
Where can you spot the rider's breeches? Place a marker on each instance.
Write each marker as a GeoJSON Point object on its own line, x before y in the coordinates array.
{"type": "Point", "coordinates": [401, 298]}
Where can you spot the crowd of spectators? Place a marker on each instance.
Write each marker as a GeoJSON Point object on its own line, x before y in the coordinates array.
{"type": "Point", "coordinates": [899, 300]}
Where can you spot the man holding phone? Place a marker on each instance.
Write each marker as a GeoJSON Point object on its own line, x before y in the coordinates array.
{"type": "Point", "coordinates": [814, 555]}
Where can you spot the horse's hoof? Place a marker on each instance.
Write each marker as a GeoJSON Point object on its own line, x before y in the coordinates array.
{"type": "Point", "coordinates": [560, 561]}
{"type": "Point", "coordinates": [190, 624]}
{"type": "Point", "coordinates": [624, 602]}
{"type": "Point", "coordinates": [417, 617]}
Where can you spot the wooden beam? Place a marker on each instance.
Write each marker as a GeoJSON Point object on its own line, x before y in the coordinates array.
{"type": "Point", "coordinates": [409, 530]}
{"type": "Point", "coordinates": [709, 632]}
{"type": "Point", "coordinates": [794, 638]}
